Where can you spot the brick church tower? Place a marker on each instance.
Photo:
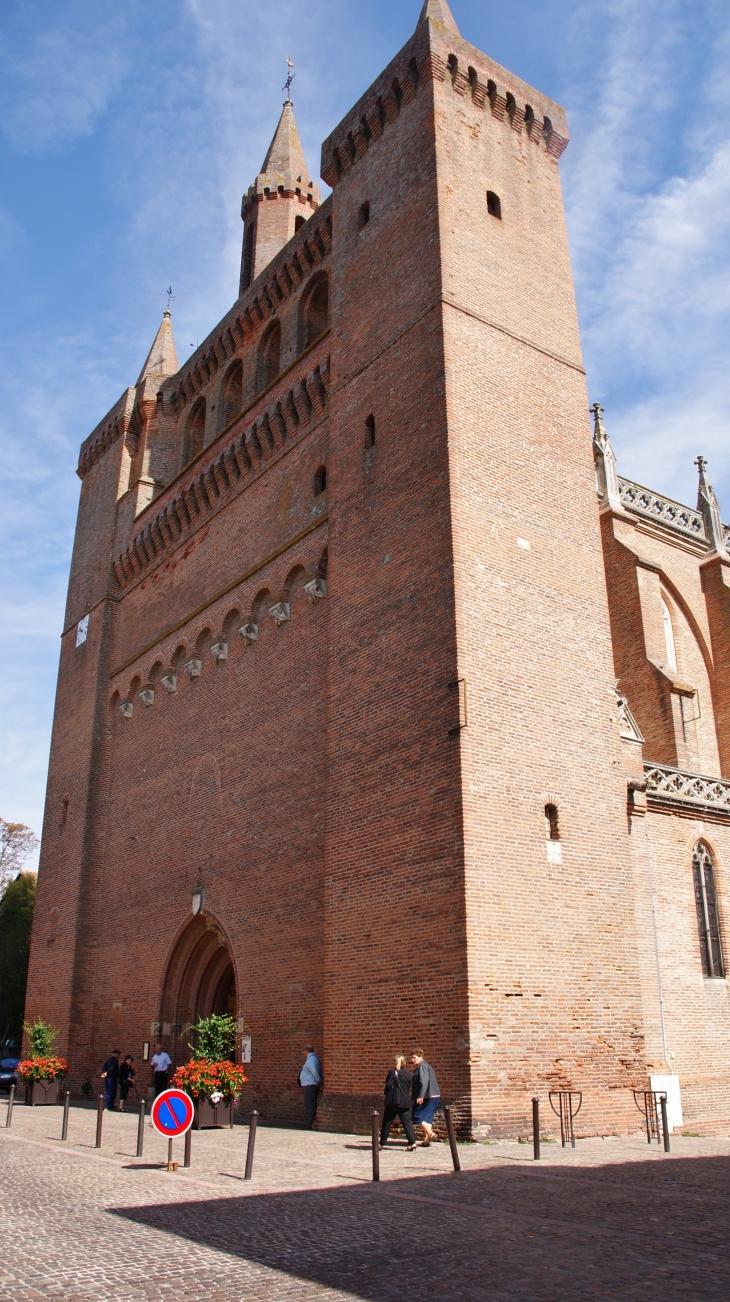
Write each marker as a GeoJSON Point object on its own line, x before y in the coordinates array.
{"type": "Point", "coordinates": [336, 743]}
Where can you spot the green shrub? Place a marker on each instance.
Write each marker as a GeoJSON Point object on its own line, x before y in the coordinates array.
{"type": "Point", "coordinates": [216, 1037]}
{"type": "Point", "coordinates": [41, 1036]}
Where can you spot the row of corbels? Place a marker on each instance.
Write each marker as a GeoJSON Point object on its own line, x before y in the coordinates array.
{"type": "Point", "coordinates": [280, 613]}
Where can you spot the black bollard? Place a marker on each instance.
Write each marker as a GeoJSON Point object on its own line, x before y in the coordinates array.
{"type": "Point", "coordinates": [251, 1144]}
{"type": "Point", "coordinates": [452, 1139]}
{"type": "Point", "coordinates": [99, 1119]}
{"type": "Point", "coordinates": [188, 1146]}
{"type": "Point", "coordinates": [375, 1129]}
{"type": "Point", "coordinates": [536, 1129]}
{"type": "Point", "coordinates": [665, 1122]}
{"type": "Point", "coordinates": [11, 1100]}
{"type": "Point", "coordinates": [66, 1106]}
{"type": "Point", "coordinates": [140, 1128]}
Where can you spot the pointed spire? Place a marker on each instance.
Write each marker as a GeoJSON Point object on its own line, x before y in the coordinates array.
{"type": "Point", "coordinates": [286, 156]}
{"type": "Point", "coordinates": [605, 459]}
{"type": "Point", "coordinates": [162, 357]}
{"type": "Point", "coordinates": [709, 507]}
{"type": "Point", "coordinates": [439, 12]}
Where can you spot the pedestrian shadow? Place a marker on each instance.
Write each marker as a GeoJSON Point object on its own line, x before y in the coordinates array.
{"type": "Point", "coordinates": [652, 1229]}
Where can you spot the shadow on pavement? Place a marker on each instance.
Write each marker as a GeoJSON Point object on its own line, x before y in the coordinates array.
{"type": "Point", "coordinates": [655, 1229]}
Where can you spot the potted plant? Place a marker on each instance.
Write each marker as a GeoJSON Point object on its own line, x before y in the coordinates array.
{"type": "Point", "coordinates": [43, 1069]}
{"type": "Point", "coordinates": [210, 1078]}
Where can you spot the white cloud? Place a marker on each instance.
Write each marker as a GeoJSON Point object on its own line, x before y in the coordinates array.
{"type": "Point", "coordinates": [72, 62]}
{"type": "Point", "coordinates": [651, 252]}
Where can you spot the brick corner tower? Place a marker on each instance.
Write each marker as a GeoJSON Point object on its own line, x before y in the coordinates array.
{"type": "Point", "coordinates": [479, 877]}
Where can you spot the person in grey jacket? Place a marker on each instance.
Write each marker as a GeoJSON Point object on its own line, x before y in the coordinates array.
{"type": "Point", "coordinates": [425, 1093]}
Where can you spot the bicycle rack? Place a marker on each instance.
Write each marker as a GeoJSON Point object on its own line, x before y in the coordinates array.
{"type": "Point", "coordinates": [649, 1102]}
{"type": "Point", "coordinates": [566, 1112]}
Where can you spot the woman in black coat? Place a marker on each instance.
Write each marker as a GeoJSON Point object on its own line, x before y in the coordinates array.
{"type": "Point", "coordinates": [398, 1103]}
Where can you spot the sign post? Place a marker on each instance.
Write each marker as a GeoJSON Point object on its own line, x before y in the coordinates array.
{"type": "Point", "coordinates": [172, 1115]}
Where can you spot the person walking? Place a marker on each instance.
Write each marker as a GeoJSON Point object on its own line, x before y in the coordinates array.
{"type": "Point", "coordinates": [111, 1075]}
{"type": "Point", "coordinates": [126, 1080]}
{"type": "Point", "coordinates": [310, 1079]}
{"type": "Point", "coordinates": [425, 1094]}
{"type": "Point", "coordinates": [397, 1094]}
{"type": "Point", "coordinates": [161, 1063]}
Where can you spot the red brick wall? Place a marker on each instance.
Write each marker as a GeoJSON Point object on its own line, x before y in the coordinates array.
{"type": "Point", "coordinates": [377, 877]}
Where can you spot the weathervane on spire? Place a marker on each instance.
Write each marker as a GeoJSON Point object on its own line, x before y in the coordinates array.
{"type": "Point", "coordinates": [290, 78]}
{"type": "Point", "coordinates": [170, 298]}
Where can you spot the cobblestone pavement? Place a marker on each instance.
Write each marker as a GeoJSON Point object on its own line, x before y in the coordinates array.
{"type": "Point", "coordinates": [612, 1220]}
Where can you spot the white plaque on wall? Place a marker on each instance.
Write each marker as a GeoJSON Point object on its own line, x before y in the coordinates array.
{"type": "Point", "coordinates": [246, 1048]}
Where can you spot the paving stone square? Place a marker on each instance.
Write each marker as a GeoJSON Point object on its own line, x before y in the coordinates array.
{"type": "Point", "coordinates": [613, 1219]}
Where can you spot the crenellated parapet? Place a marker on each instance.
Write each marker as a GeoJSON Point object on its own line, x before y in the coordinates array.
{"type": "Point", "coordinates": [115, 425]}
{"type": "Point", "coordinates": [472, 77]}
{"type": "Point", "coordinates": [256, 307]}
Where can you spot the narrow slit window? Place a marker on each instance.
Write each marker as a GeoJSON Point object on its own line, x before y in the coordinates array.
{"type": "Point", "coordinates": [669, 638]}
{"type": "Point", "coordinates": [494, 206]}
{"type": "Point", "coordinates": [708, 918]}
{"type": "Point", "coordinates": [552, 827]}
{"type": "Point", "coordinates": [363, 216]}
{"type": "Point", "coordinates": [320, 481]}
{"type": "Point", "coordinates": [370, 431]}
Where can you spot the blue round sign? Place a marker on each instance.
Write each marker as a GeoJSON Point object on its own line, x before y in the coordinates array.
{"type": "Point", "coordinates": [172, 1113]}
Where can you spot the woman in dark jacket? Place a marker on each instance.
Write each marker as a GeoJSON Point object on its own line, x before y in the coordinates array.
{"type": "Point", "coordinates": [126, 1080]}
{"type": "Point", "coordinates": [425, 1093]}
{"type": "Point", "coordinates": [398, 1103]}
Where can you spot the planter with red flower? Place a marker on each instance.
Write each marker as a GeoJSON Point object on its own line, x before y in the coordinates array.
{"type": "Point", "coordinates": [43, 1069]}
{"type": "Point", "coordinates": [210, 1078]}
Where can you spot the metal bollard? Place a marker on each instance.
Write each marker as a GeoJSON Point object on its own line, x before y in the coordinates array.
{"type": "Point", "coordinates": [99, 1119]}
{"type": "Point", "coordinates": [66, 1106]}
{"type": "Point", "coordinates": [251, 1144]}
{"type": "Point", "coordinates": [665, 1122]}
{"type": "Point", "coordinates": [140, 1128]}
{"type": "Point", "coordinates": [536, 1129]}
{"type": "Point", "coordinates": [11, 1100]}
{"type": "Point", "coordinates": [188, 1146]}
{"type": "Point", "coordinates": [375, 1139]}
{"type": "Point", "coordinates": [452, 1139]}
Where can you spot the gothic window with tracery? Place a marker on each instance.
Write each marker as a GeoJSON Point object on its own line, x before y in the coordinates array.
{"type": "Point", "coordinates": [708, 919]}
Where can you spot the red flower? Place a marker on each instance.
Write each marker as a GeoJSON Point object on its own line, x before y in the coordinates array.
{"type": "Point", "coordinates": [199, 1078]}
{"type": "Point", "coordinates": [52, 1068]}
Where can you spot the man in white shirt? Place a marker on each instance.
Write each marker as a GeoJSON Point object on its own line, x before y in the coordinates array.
{"type": "Point", "coordinates": [161, 1063]}
{"type": "Point", "coordinates": [310, 1079]}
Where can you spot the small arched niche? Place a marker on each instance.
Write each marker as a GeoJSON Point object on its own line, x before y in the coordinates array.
{"type": "Point", "coordinates": [316, 312]}
{"type": "Point", "coordinates": [269, 363]}
{"type": "Point", "coordinates": [194, 432]}
{"type": "Point", "coordinates": [232, 393]}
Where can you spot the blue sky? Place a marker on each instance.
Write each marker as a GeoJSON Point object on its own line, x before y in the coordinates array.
{"type": "Point", "coordinates": [128, 132]}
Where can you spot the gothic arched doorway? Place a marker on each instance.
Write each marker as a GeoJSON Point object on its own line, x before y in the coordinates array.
{"type": "Point", "coordinates": [200, 979]}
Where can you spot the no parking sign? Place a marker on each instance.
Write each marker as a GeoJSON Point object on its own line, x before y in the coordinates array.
{"type": "Point", "coordinates": [172, 1113]}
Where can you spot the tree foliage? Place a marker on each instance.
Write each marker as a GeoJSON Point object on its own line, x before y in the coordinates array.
{"type": "Point", "coordinates": [17, 842]}
{"type": "Point", "coordinates": [16, 920]}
